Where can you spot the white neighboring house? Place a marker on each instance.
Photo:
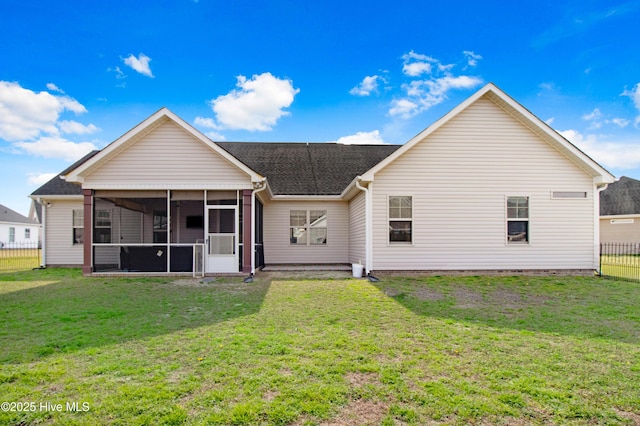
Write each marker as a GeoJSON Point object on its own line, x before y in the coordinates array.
{"type": "Point", "coordinates": [16, 230]}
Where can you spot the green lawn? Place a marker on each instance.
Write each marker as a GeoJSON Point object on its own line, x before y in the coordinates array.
{"type": "Point", "coordinates": [438, 350]}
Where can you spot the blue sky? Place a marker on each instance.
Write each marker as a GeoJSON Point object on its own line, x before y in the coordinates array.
{"type": "Point", "coordinates": [75, 75]}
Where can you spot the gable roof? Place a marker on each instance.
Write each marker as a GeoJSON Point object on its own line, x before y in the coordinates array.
{"type": "Point", "coordinates": [58, 186]}
{"type": "Point", "coordinates": [621, 198]}
{"type": "Point", "coordinates": [308, 168]}
{"type": "Point", "coordinates": [542, 129]}
{"type": "Point", "coordinates": [12, 216]}
{"type": "Point", "coordinates": [161, 116]}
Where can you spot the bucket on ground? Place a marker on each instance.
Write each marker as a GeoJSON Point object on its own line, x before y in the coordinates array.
{"type": "Point", "coordinates": [357, 270]}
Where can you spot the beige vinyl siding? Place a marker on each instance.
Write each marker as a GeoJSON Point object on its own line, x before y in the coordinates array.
{"type": "Point", "coordinates": [167, 157]}
{"type": "Point", "coordinates": [357, 228]}
{"type": "Point", "coordinates": [620, 232]}
{"type": "Point", "coordinates": [459, 179]}
{"type": "Point", "coordinates": [59, 249]}
{"type": "Point", "coordinates": [277, 248]}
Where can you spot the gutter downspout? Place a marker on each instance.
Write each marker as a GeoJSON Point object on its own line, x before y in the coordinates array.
{"type": "Point", "coordinates": [43, 237]}
{"type": "Point", "coordinates": [263, 186]}
{"type": "Point", "coordinates": [596, 227]}
{"type": "Point", "coordinates": [368, 217]}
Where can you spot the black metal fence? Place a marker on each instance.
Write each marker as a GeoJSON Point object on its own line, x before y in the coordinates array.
{"type": "Point", "coordinates": [19, 257]}
{"type": "Point", "coordinates": [620, 260]}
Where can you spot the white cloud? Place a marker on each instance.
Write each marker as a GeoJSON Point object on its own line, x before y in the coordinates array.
{"type": "Point", "coordinates": [368, 85]}
{"type": "Point", "coordinates": [54, 88]}
{"type": "Point", "coordinates": [594, 115]}
{"type": "Point", "coordinates": [257, 103]}
{"type": "Point", "coordinates": [25, 114]}
{"type": "Point", "coordinates": [634, 94]}
{"type": "Point", "coordinates": [472, 58]}
{"type": "Point", "coordinates": [363, 138]}
{"type": "Point", "coordinates": [611, 154]}
{"type": "Point", "coordinates": [420, 94]}
{"type": "Point", "coordinates": [404, 108]}
{"type": "Point", "coordinates": [620, 122]}
{"type": "Point", "coordinates": [70, 126]}
{"type": "Point", "coordinates": [38, 179]}
{"type": "Point", "coordinates": [56, 147]}
{"type": "Point", "coordinates": [206, 122]}
{"type": "Point", "coordinates": [415, 64]}
{"type": "Point", "coordinates": [139, 64]}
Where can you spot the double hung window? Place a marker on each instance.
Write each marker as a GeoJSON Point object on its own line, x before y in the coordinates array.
{"type": "Point", "coordinates": [517, 220]}
{"type": "Point", "coordinates": [400, 219]}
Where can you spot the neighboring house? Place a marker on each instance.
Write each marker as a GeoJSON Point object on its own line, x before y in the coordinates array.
{"type": "Point", "coordinates": [488, 187]}
{"type": "Point", "coordinates": [16, 230]}
{"type": "Point", "coordinates": [620, 212]}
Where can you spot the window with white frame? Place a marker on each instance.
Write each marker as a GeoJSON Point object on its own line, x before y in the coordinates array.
{"type": "Point", "coordinates": [78, 226]}
{"type": "Point", "coordinates": [308, 227]}
{"type": "Point", "coordinates": [102, 231]}
{"type": "Point", "coordinates": [12, 234]}
{"type": "Point", "coordinates": [400, 219]}
{"type": "Point", "coordinates": [27, 233]}
{"type": "Point", "coordinates": [517, 220]}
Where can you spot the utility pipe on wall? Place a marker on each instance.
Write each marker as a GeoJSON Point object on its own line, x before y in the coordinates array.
{"type": "Point", "coordinates": [368, 240]}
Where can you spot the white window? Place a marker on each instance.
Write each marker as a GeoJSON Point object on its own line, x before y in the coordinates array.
{"type": "Point", "coordinates": [400, 219]}
{"type": "Point", "coordinates": [517, 220]}
{"type": "Point", "coordinates": [308, 227]}
{"type": "Point", "coordinates": [12, 234]}
{"type": "Point", "coordinates": [78, 226]}
{"type": "Point", "coordinates": [102, 231]}
{"type": "Point", "coordinates": [27, 233]}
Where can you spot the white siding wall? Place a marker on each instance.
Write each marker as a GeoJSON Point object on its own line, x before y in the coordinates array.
{"type": "Point", "coordinates": [20, 240]}
{"type": "Point", "coordinates": [459, 178]}
{"type": "Point", "coordinates": [357, 228]}
{"type": "Point", "coordinates": [620, 232]}
{"type": "Point", "coordinates": [60, 249]}
{"type": "Point", "coordinates": [277, 248]}
{"type": "Point", "coordinates": [167, 157]}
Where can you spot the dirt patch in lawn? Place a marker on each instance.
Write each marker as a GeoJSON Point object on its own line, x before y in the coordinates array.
{"type": "Point", "coordinates": [467, 298]}
{"type": "Point", "coordinates": [360, 412]}
{"type": "Point", "coordinates": [426, 293]}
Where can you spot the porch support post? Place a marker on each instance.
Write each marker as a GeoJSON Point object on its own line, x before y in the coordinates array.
{"type": "Point", "coordinates": [87, 263]}
{"type": "Point", "coordinates": [247, 247]}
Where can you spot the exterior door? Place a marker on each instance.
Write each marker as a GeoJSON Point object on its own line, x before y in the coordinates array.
{"type": "Point", "coordinates": [222, 239]}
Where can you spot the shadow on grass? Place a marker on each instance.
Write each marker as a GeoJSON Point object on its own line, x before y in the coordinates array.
{"type": "Point", "coordinates": [57, 310]}
{"type": "Point", "coordinates": [579, 306]}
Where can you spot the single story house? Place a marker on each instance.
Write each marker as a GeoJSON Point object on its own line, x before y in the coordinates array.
{"type": "Point", "coordinates": [620, 212]}
{"type": "Point", "coordinates": [16, 230]}
{"type": "Point", "coordinates": [488, 187]}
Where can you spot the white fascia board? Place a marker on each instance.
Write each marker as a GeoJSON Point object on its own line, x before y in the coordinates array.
{"type": "Point", "coordinates": [56, 197]}
{"type": "Point", "coordinates": [195, 186]}
{"type": "Point", "coordinates": [307, 198]}
{"type": "Point", "coordinates": [150, 123]}
{"type": "Point", "coordinates": [620, 216]}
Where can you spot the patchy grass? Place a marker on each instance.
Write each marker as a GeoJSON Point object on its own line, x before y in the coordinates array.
{"type": "Point", "coordinates": [452, 350]}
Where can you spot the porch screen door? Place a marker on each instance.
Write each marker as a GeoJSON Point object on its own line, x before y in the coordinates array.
{"type": "Point", "coordinates": [222, 239]}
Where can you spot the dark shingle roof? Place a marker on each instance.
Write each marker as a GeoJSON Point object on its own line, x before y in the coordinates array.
{"type": "Point", "coordinates": [8, 215]}
{"type": "Point", "coordinates": [291, 168]}
{"type": "Point", "coordinates": [58, 186]}
{"type": "Point", "coordinates": [621, 197]}
{"type": "Point", "coordinates": [308, 169]}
